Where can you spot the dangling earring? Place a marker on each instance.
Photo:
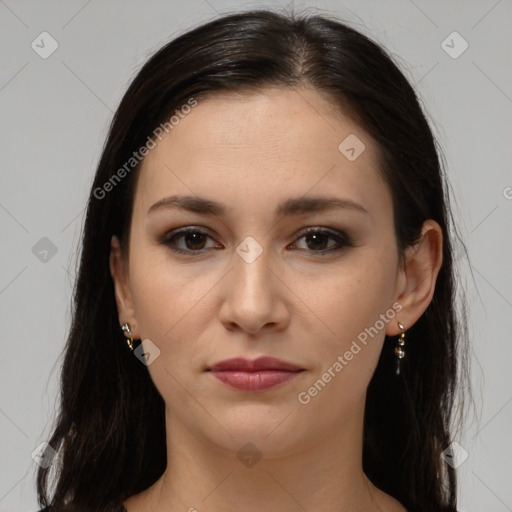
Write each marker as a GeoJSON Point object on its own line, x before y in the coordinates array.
{"type": "Point", "coordinates": [399, 349]}
{"type": "Point", "coordinates": [128, 334]}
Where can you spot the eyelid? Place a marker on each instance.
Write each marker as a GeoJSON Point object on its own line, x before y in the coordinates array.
{"type": "Point", "coordinates": [178, 232]}
{"type": "Point", "coordinates": [339, 236]}
{"type": "Point", "coordinates": [322, 230]}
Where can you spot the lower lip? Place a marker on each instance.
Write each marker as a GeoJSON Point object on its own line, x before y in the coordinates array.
{"type": "Point", "coordinates": [261, 380]}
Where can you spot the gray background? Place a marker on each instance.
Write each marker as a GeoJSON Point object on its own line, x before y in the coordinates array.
{"type": "Point", "coordinates": [55, 114]}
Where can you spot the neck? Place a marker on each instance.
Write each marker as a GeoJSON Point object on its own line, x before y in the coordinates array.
{"type": "Point", "coordinates": [321, 475]}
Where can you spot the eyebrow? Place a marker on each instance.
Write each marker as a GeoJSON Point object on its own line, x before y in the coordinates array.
{"type": "Point", "coordinates": [289, 207]}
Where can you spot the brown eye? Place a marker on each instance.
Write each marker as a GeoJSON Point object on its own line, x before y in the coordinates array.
{"type": "Point", "coordinates": [194, 240]}
{"type": "Point", "coordinates": [188, 241]}
{"type": "Point", "coordinates": [317, 241]}
{"type": "Point", "coordinates": [322, 241]}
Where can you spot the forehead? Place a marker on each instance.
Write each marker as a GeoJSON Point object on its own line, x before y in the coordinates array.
{"type": "Point", "coordinates": [261, 147]}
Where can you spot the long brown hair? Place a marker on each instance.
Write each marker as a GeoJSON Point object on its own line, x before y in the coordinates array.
{"type": "Point", "coordinates": [110, 430]}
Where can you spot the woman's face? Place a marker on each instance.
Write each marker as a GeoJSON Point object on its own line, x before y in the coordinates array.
{"type": "Point", "coordinates": [250, 281]}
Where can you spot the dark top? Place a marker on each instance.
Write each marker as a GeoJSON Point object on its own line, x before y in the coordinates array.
{"type": "Point", "coordinates": [120, 508]}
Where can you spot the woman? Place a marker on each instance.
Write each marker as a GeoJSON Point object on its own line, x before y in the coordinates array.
{"type": "Point", "coordinates": [264, 312]}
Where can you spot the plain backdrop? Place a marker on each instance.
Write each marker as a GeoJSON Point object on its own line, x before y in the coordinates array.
{"type": "Point", "coordinates": [55, 111]}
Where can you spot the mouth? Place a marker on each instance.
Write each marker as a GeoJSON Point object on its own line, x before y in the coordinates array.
{"type": "Point", "coordinates": [259, 374]}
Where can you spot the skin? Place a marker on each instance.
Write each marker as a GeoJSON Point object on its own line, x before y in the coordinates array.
{"type": "Point", "coordinates": [251, 152]}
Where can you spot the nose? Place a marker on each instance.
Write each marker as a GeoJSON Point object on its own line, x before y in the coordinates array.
{"type": "Point", "coordinates": [255, 298]}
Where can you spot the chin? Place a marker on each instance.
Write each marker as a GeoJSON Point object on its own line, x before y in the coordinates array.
{"type": "Point", "coordinates": [270, 429]}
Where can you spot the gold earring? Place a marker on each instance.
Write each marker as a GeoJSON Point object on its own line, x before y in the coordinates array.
{"type": "Point", "coordinates": [128, 334]}
{"type": "Point", "coordinates": [399, 349]}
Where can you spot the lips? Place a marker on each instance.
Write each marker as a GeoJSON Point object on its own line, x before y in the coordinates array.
{"type": "Point", "coordinates": [259, 374]}
{"type": "Point", "coordinates": [262, 363]}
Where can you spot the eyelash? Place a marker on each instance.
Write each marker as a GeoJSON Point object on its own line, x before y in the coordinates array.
{"type": "Point", "coordinates": [341, 238]}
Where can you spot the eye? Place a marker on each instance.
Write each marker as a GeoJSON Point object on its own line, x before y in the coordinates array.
{"type": "Point", "coordinates": [192, 240]}
{"type": "Point", "coordinates": [322, 241]}
{"type": "Point", "coordinates": [188, 240]}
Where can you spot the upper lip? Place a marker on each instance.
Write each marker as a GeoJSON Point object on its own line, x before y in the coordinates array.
{"type": "Point", "coordinates": [261, 363]}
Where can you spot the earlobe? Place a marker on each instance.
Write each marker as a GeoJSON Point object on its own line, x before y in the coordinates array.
{"type": "Point", "coordinates": [119, 274]}
{"type": "Point", "coordinates": [421, 268]}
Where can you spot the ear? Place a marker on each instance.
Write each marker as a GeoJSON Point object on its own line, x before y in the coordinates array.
{"type": "Point", "coordinates": [417, 279]}
{"type": "Point", "coordinates": [121, 277]}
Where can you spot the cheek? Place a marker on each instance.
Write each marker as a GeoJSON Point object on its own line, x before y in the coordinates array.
{"type": "Point", "coordinates": [355, 305]}
{"type": "Point", "coordinates": [161, 290]}
{"type": "Point", "coordinates": [354, 296]}
{"type": "Point", "coordinates": [172, 302]}
{"type": "Point", "coordinates": [171, 310]}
